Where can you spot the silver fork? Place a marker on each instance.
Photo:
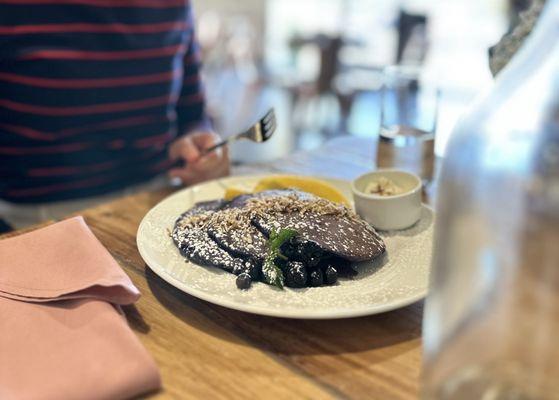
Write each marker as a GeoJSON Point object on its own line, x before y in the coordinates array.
{"type": "Point", "coordinates": [261, 131]}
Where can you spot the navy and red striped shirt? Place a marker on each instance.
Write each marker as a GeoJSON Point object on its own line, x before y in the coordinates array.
{"type": "Point", "coordinates": [91, 94]}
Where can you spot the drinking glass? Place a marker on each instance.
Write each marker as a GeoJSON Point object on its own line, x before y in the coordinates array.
{"type": "Point", "coordinates": [408, 121]}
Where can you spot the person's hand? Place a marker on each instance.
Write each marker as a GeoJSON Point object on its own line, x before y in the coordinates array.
{"type": "Point", "coordinates": [198, 168]}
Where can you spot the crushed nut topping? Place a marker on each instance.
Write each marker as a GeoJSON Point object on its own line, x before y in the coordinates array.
{"type": "Point", "coordinates": [383, 187]}
{"type": "Point", "coordinates": [234, 218]}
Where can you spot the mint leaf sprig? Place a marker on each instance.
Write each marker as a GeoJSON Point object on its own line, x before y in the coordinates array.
{"type": "Point", "coordinates": [271, 272]}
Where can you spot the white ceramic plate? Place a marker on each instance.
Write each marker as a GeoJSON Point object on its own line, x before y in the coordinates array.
{"type": "Point", "coordinates": [399, 279]}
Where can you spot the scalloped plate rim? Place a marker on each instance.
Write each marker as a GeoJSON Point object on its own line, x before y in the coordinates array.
{"type": "Point", "coordinates": [337, 313]}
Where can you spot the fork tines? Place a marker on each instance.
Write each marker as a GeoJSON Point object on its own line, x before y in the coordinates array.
{"type": "Point", "coordinates": [268, 124]}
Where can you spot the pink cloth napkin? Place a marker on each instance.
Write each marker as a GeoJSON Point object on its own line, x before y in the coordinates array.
{"type": "Point", "coordinates": [62, 335]}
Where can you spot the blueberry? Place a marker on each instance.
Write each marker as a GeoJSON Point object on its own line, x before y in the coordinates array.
{"type": "Point", "coordinates": [310, 253]}
{"type": "Point", "coordinates": [296, 275]}
{"type": "Point", "coordinates": [248, 267]}
{"type": "Point", "coordinates": [243, 281]}
{"type": "Point", "coordinates": [281, 263]}
{"type": "Point", "coordinates": [299, 252]}
{"type": "Point", "coordinates": [330, 275]}
{"type": "Point", "coordinates": [289, 250]}
{"type": "Point", "coordinates": [313, 259]}
{"type": "Point", "coordinates": [316, 279]}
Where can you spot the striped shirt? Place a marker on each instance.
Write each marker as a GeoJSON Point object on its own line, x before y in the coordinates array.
{"type": "Point", "coordinates": [91, 94]}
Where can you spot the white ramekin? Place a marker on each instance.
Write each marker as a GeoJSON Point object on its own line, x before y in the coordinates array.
{"type": "Point", "coordinates": [389, 212]}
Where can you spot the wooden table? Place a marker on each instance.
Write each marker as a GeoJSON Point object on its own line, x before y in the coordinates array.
{"type": "Point", "coordinates": [206, 351]}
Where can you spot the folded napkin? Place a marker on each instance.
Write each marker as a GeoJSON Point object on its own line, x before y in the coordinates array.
{"type": "Point", "coordinates": [62, 335]}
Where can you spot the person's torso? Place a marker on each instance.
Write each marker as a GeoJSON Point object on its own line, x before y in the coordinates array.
{"type": "Point", "coordinates": [88, 92]}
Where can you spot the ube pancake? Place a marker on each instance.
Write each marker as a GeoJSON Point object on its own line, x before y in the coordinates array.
{"type": "Point", "coordinates": [242, 240]}
{"type": "Point", "coordinates": [244, 200]}
{"type": "Point", "coordinates": [234, 232]}
{"type": "Point", "coordinates": [211, 205]}
{"type": "Point", "coordinates": [332, 227]}
{"type": "Point", "coordinates": [340, 236]}
{"type": "Point", "coordinates": [191, 237]}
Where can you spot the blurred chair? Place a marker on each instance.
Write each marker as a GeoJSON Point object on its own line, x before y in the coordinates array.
{"type": "Point", "coordinates": [412, 38]}
{"type": "Point", "coordinates": [317, 104]}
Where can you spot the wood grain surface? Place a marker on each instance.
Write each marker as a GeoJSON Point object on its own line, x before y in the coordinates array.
{"type": "Point", "coordinates": [206, 351]}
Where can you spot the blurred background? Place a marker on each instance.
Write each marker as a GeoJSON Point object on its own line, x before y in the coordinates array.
{"type": "Point", "coordinates": [320, 62]}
